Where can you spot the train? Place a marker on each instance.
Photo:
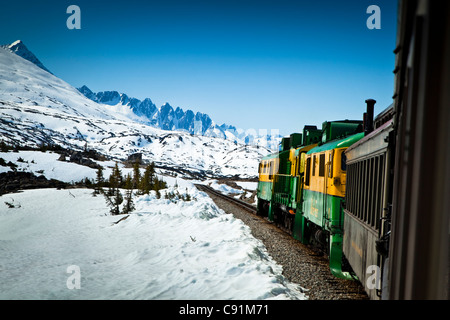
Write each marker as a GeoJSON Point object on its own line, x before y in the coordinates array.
{"type": "Point", "coordinates": [374, 194]}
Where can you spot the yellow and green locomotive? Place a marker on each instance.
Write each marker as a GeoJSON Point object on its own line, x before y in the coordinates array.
{"type": "Point", "coordinates": [281, 176]}
{"type": "Point", "coordinates": [302, 186]}
{"type": "Point", "coordinates": [324, 191]}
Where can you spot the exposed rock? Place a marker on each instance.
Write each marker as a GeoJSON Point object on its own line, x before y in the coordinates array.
{"type": "Point", "coordinates": [132, 158]}
{"type": "Point", "coordinates": [13, 181]}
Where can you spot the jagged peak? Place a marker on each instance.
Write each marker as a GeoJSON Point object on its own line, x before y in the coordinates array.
{"type": "Point", "coordinates": [85, 89]}
{"type": "Point", "coordinates": [20, 49]}
{"type": "Point", "coordinates": [16, 43]}
{"type": "Point", "coordinates": [165, 117]}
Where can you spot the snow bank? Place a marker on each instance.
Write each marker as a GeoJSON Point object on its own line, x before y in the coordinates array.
{"type": "Point", "coordinates": [247, 185]}
{"type": "Point", "coordinates": [225, 189]}
{"type": "Point", "coordinates": [46, 163]}
{"type": "Point", "coordinates": [164, 250]}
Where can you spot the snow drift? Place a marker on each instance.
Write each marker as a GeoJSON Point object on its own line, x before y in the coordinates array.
{"type": "Point", "coordinates": [164, 250]}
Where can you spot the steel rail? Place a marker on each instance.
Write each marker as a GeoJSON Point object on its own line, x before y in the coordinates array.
{"type": "Point", "coordinates": [240, 203]}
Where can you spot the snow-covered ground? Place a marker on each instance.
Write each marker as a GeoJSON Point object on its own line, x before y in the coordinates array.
{"type": "Point", "coordinates": [225, 189]}
{"type": "Point", "coordinates": [249, 185]}
{"type": "Point", "coordinates": [64, 244]}
{"type": "Point", "coordinates": [165, 249]}
{"type": "Point", "coordinates": [54, 240]}
{"type": "Point", "coordinates": [47, 164]}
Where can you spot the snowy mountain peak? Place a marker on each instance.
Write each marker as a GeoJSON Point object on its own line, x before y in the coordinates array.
{"type": "Point", "coordinates": [16, 43]}
{"type": "Point", "coordinates": [166, 117]}
{"type": "Point", "coordinates": [38, 108]}
{"type": "Point", "coordinates": [19, 48]}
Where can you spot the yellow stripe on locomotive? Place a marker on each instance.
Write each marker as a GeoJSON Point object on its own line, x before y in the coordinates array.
{"type": "Point", "coordinates": [267, 169]}
{"type": "Point", "coordinates": [328, 164]}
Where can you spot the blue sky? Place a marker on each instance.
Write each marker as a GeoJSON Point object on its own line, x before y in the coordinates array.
{"type": "Point", "coordinates": [253, 64]}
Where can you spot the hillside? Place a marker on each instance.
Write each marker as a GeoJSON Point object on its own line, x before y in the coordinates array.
{"type": "Point", "coordinates": [38, 108]}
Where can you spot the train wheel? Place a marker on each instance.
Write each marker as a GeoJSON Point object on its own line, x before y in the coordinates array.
{"type": "Point", "coordinates": [262, 208]}
{"type": "Point", "coordinates": [289, 222]}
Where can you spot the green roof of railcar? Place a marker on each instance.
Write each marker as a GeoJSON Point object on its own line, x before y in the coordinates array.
{"type": "Point", "coordinates": [340, 143]}
{"type": "Point", "coordinates": [276, 155]}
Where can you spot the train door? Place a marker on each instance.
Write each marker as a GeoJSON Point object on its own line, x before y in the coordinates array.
{"type": "Point", "coordinates": [322, 180]}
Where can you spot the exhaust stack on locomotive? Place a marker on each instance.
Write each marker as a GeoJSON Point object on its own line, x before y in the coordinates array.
{"type": "Point", "coordinates": [368, 116]}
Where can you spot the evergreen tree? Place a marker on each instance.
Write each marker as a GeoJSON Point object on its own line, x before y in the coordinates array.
{"type": "Point", "coordinates": [99, 181]}
{"type": "Point", "coordinates": [115, 179]}
{"type": "Point", "coordinates": [136, 175]}
{"type": "Point", "coordinates": [114, 201]}
{"type": "Point", "coordinates": [187, 196]}
{"type": "Point", "coordinates": [114, 197]}
{"type": "Point", "coordinates": [129, 204]}
{"type": "Point", "coordinates": [148, 179]}
{"type": "Point", "coordinates": [144, 185]}
{"type": "Point", "coordinates": [159, 184]}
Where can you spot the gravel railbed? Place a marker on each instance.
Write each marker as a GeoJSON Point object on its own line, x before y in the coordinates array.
{"type": "Point", "coordinates": [301, 265]}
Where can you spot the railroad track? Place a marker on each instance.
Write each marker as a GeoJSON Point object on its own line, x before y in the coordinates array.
{"type": "Point", "coordinates": [246, 206]}
{"type": "Point", "coordinates": [242, 204]}
{"type": "Point", "coordinates": [301, 264]}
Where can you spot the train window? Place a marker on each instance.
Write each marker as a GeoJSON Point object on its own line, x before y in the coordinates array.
{"type": "Point", "coordinates": [365, 187]}
{"type": "Point", "coordinates": [270, 170]}
{"type": "Point", "coordinates": [308, 171]}
{"type": "Point", "coordinates": [322, 165]}
{"type": "Point", "coordinates": [302, 163]}
{"type": "Point", "coordinates": [343, 161]}
{"type": "Point", "coordinates": [330, 164]}
{"type": "Point", "coordinates": [314, 166]}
